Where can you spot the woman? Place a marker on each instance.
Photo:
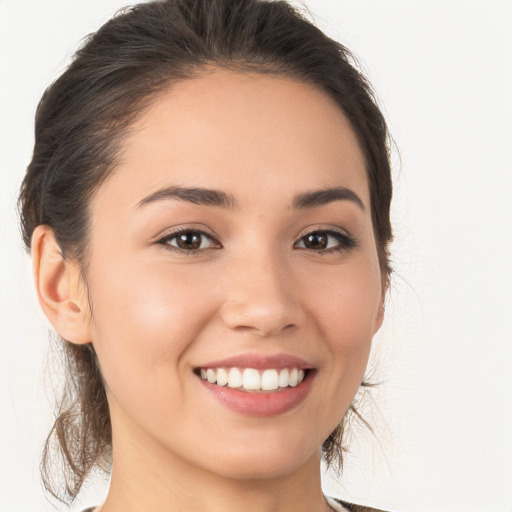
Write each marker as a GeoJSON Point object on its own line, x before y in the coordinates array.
{"type": "Point", "coordinates": [208, 213]}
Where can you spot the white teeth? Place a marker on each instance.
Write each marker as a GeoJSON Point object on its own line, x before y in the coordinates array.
{"type": "Point", "coordinates": [294, 378]}
{"type": "Point", "coordinates": [252, 379]}
{"type": "Point", "coordinates": [235, 378]}
{"type": "Point", "coordinates": [222, 377]}
{"type": "Point", "coordinates": [284, 376]}
{"type": "Point", "coordinates": [269, 380]}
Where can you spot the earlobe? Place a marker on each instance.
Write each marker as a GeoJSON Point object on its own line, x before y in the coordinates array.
{"type": "Point", "coordinates": [59, 288]}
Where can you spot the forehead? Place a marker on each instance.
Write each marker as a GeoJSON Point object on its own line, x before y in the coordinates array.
{"type": "Point", "coordinates": [241, 132]}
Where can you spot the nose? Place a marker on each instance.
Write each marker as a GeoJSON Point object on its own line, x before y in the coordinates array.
{"type": "Point", "coordinates": [262, 296]}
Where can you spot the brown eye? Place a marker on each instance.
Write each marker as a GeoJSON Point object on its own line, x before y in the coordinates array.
{"type": "Point", "coordinates": [326, 241]}
{"type": "Point", "coordinates": [316, 241]}
{"type": "Point", "coordinates": [188, 241]}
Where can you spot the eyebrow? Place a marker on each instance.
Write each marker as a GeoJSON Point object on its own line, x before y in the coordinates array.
{"type": "Point", "coordinates": [328, 195]}
{"type": "Point", "coordinates": [201, 196]}
{"type": "Point", "coordinates": [210, 197]}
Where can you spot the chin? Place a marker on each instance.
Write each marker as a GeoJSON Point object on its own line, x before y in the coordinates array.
{"type": "Point", "coordinates": [262, 464]}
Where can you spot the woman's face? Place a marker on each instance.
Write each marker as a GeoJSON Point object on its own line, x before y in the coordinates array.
{"type": "Point", "coordinates": [235, 234]}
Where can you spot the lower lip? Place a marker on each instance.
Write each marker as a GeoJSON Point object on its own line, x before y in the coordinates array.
{"type": "Point", "coordinates": [267, 404]}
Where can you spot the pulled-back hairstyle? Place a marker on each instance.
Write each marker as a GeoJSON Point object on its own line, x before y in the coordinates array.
{"type": "Point", "coordinates": [80, 124]}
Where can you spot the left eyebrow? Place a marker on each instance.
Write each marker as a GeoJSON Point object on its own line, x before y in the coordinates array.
{"type": "Point", "coordinates": [321, 197]}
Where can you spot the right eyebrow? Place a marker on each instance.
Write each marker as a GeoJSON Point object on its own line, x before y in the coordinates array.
{"type": "Point", "coordinates": [201, 196]}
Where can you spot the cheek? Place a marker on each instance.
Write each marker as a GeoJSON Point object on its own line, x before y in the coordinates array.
{"type": "Point", "coordinates": [145, 318]}
{"type": "Point", "coordinates": [347, 308]}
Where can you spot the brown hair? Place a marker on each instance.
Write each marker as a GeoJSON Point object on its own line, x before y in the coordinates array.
{"type": "Point", "coordinates": [83, 116]}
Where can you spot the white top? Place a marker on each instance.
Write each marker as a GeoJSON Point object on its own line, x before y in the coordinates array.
{"type": "Point", "coordinates": [335, 505]}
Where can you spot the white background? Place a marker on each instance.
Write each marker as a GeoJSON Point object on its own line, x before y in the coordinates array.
{"type": "Point", "coordinates": [442, 70]}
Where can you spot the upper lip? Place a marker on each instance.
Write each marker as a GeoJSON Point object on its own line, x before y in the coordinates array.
{"type": "Point", "coordinates": [259, 362]}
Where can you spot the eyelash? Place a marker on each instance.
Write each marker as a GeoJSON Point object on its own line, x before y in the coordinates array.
{"type": "Point", "coordinates": [345, 241]}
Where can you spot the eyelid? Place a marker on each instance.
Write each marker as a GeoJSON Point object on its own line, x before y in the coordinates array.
{"type": "Point", "coordinates": [324, 229]}
{"type": "Point", "coordinates": [197, 228]}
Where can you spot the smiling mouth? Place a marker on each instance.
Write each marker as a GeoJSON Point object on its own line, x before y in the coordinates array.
{"type": "Point", "coordinates": [253, 380]}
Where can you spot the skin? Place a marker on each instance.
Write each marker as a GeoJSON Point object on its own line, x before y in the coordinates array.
{"type": "Point", "coordinates": [252, 288]}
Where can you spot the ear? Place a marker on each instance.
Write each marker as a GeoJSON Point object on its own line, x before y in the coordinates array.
{"type": "Point", "coordinates": [59, 288]}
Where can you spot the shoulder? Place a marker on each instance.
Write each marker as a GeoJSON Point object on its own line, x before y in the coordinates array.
{"type": "Point", "coordinates": [351, 507]}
